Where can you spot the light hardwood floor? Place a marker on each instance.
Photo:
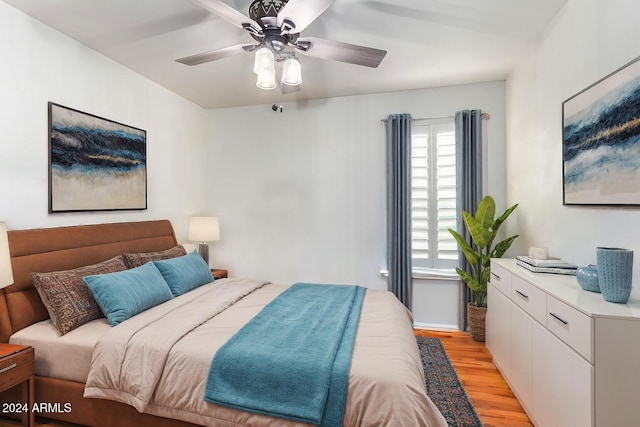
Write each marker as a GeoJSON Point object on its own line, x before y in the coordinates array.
{"type": "Point", "coordinates": [494, 402]}
{"type": "Point", "coordinates": [491, 396]}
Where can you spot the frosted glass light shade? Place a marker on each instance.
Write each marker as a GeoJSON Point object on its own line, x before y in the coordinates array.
{"type": "Point", "coordinates": [6, 273]}
{"type": "Point", "coordinates": [292, 72]}
{"type": "Point", "coordinates": [264, 59]}
{"type": "Point", "coordinates": [265, 67]}
{"type": "Point", "coordinates": [266, 79]}
{"type": "Point", "coordinates": [204, 229]}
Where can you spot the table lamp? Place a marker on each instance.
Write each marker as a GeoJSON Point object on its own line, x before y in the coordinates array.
{"type": "Point", "coordinates": [6, 274]}
{"type": "Point", "coordinates": [204, 229]}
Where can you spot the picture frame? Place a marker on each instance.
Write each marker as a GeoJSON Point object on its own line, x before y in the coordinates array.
{"type": "Point", "coordinates": [601, 141]}
{"type": "Point", "coordinates": [95, 164]}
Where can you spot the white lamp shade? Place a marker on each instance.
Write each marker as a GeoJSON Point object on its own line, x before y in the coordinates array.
{"type": "Point", "coordinates": [292, 72]}
{"type": "Point", "coordinates": [6, 274]}
{"type": "Point", "coordinates": [204, 229]}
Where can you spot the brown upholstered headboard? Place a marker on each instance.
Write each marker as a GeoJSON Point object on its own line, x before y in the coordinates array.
{"type": "Point", "coordinates": [62, 248]}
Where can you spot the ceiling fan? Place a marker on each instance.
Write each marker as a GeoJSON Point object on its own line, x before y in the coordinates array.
{"type": "Point", "coordinates": [275, 26]}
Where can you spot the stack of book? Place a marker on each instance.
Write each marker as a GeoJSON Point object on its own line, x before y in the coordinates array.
{"type": "Point", "coordinates": [556, 266]}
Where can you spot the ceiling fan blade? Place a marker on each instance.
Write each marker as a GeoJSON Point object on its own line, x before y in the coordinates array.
{"type": "Point", "coordinates": [226, 12]}
{"type": "Point", "coordinates": [213, 55]}
{"type": "Point", "coordinates": [302, 12]}
{"type": "Point", "coordinates": [343, 52]}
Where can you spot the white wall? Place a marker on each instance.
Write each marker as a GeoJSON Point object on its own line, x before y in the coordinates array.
{"type": "Point", "coordinates": [41, 65]}
{"type": "Point", "coordinates": [301, 194]}
{"type": "Point", "coordinates": [588, 40]}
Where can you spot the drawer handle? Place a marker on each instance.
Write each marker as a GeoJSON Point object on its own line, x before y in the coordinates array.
{"type": "Point", "coordinates": [8, 368]}
{"type": "Point", "coordinates": [559, 319]}
{"type": "Point", "coordinates": [495, 275]}
{"type": "Point", "coordinates": [522, 294]}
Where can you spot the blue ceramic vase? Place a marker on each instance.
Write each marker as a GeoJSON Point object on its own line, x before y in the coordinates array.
{"type": "Point", "coordinates": [615, 268]}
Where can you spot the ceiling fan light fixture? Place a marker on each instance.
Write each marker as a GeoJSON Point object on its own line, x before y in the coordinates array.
{"type": "Point", "coordinates": [264, 59]}
{"type": "Point", "coordinates": [292, 72]}
{"type": "Point", "coordinates": [275, 26]}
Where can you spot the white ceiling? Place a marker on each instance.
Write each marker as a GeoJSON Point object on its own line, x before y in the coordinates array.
{"type": "Point", "coordinates": [429, 43]}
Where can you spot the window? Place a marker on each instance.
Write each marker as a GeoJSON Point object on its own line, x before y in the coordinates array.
{"type": "Point", "coordinates": [433, 194]}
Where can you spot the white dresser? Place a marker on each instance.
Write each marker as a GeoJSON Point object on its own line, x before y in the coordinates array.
{"type": "Point", "coordinates": [571, 358]}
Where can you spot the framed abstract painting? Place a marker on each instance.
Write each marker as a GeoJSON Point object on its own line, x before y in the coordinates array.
{"type": "Point", "coordinates": [601, 141]}
{"type": "Point", "coordinates": [95, 164]}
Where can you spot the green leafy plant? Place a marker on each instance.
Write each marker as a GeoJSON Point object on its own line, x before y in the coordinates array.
{"type": "Point", "coordinates": [483, 229]}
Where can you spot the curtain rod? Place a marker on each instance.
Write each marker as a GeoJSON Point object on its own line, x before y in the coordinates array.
{"type": "Point", "coordinates": [485, 116]}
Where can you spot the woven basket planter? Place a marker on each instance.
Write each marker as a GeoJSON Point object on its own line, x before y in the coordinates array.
{"type": "Point", "coordinates": [476, 317]}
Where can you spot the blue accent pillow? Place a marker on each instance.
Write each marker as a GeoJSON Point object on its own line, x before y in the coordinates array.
{"type": "Point", "coordinates": [124, 294]}
{"type": "Point", "coordinates": [184, 273]}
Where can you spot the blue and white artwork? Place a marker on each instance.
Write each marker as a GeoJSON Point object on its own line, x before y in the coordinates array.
{"type": "Point", "coordinates": [601, 141]}
{"type": "Point", "coordinates": [95, 163]}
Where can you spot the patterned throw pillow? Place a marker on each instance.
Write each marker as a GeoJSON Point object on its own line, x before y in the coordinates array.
{"type": "Point", "coordinates": [67, 298]}
{"type": "Point", "coordinates": [140, 259]}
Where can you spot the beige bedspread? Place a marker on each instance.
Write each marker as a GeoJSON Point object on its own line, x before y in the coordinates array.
{"type": "Point", "coordinates": [158, 361]}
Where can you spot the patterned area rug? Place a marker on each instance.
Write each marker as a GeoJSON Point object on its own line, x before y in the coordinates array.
{"type": "Point", "coordinates": [443, 385]}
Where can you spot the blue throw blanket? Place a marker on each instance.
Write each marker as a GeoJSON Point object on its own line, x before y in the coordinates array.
{"type": "Point", "coordinates": [292, 359]}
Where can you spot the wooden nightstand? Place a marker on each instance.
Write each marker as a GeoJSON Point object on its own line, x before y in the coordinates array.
{"type": "Point", "coordinates": [17, 367]}
{"type": "Point", "coordinates": [219, 273]}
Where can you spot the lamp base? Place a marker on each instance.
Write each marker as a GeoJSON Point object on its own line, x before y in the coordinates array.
{"type": "Point", "coordinates": [203, 250]}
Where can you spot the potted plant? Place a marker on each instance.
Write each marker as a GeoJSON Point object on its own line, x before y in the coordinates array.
{"type": "Point", "coordinates": [483, 229]}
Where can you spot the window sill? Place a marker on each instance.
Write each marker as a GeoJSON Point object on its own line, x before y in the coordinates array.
{"type": "Point", "coordinates": [429, 273]}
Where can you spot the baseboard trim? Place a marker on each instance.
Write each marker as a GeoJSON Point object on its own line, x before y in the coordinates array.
{"type": "Point", "coordinates": [435, 326]}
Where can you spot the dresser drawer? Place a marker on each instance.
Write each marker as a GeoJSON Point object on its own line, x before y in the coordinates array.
{"type": "Point", "coordinates": [529, 298]}
{"type": "Point", "coordinates": [16, 368]}
{"type": "Point", "coordinates": [571, 326]}
{"type": "Point", "coordinates": [500, 278]}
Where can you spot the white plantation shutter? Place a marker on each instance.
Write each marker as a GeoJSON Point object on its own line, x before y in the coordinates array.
{"type": "Point", "coordinates": [433, 198]}
{"type": "Point", "coordinates": [419, 197]}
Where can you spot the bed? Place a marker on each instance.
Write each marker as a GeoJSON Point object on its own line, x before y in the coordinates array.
{"type": "Point", "coordinates": [385, 381]}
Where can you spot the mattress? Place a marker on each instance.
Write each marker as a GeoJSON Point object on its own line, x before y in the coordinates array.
{"type": "Point", "coordinates": [74, 348]}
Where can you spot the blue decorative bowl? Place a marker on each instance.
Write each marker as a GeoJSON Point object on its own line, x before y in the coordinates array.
{"type": "Point", "coordinates": [588, 278]}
